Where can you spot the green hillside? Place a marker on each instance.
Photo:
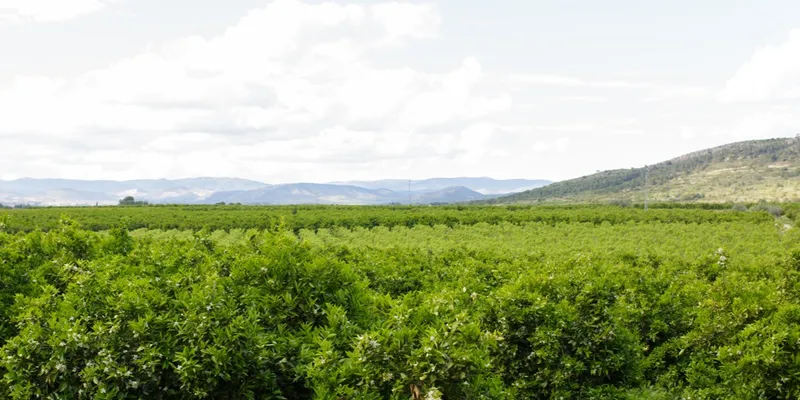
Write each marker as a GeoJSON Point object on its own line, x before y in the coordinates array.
{"type": "Point", "coordinates": [738, 172]}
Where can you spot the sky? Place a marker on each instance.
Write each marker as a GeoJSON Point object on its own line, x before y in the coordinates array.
{"type": "Point", "coordinates": [318, 91]}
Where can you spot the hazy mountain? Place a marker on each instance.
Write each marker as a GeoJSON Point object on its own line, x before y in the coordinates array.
{"type": "Point", "coordinates": [310, 193]}
{"type": "Point", "coordinates": [69, 191]}
{"type": "Point", "coordinates": [299, 193]}
{"type": "Point", "coordinates": [448, 195]}
{"type": "Point", "coordinates": [230, 190]}
{"type": "Point", "coordinates": [738, 172]}
{"type": "Point", "coordinates": [481, 185]}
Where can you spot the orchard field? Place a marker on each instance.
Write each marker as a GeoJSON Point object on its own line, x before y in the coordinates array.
{"type": "Point", "coordinates": [468, 302]}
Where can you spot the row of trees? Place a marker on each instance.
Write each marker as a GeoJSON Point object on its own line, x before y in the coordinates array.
{"type": "Point", "coordinates": [315, 217]}
{"type": "Point", "coordinates": [637, 310]}
{"type": "Point", "coordinates": [130, 201]}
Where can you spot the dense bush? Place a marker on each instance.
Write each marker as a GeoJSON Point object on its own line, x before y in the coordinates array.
{"type": "Point", "coordinates": [554, 309]}
{"type": "Point", "coordinates": [775, 211]}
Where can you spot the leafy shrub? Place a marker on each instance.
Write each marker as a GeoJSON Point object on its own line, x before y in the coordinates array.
{"type": "Point", "coordinates": [773, 210]}
{"type": "Point", "coordinates": [739, 207]}
{"type": "Point", "coordinates": [597, 304]}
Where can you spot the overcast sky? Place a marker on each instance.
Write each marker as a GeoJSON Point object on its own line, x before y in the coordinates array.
{"type": "Point", "coordinates": [289, 90]}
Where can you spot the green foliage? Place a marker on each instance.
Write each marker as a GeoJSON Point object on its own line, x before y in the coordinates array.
{"type": "Point", "coordinates": [130, 201]}
{"type": "Point", "coordinates": [313, 217]}
{"type": "Point", "coordinates": [773, 210]}
{"type": "Point", "coordinates": [383, 303]}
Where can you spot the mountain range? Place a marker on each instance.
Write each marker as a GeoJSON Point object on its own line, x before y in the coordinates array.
{"type": "Point", "coordinates": [49, 192]}
{"type": "Point", "coordinates": [486, 186]}
{"type": "Point", "coordinates": [738, 172]}
{"type": "Point", "coordinates": [747, 171]}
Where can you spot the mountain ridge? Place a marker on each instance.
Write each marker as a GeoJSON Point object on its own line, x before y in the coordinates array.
{"type": "Point", "coordinates": [207, 190]}
{"type": "Point", "coordinates": [745, 171]}
{"type": "Point", "coordinates": [484, 185]}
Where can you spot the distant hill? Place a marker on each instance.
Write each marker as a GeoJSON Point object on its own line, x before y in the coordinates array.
{"type": "Point", "coordinates": [738, 172]}
{"type": "Point", "coordinates": [49, 192]}
{"type": "Point", "coordinates": [483, 185]}
{"type": "Point", "coordinates": [310, 193]}
{"type": "Point", "coordinates": [449, 195]}
{"type": "Point", "coordinates": [299, 193]}
{"type": "Point", "coordinates": [82, 192]}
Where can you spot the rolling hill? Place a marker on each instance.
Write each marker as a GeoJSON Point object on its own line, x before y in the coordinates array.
{"type": "Point", "coordinates": [51, 192]}
{"type": "Point", "coordinates": [738, 172]}
{"type": "Point", "coordinates": [487, 186]}
{"type": "Point", "coordinates": [308, 193]}
{"type": "Point", "coordinates": [88, 192]}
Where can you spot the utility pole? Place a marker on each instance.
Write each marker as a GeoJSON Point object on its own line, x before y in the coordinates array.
{"type": "Point", "coordinates": [646, 176]}
{"type": "Point", "coordinates": [409, 192]}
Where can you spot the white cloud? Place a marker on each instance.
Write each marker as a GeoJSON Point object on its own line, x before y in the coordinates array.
{"type": "Point", "coordinates": [452, 97]}
{"type": "Point", "coordinates": [567, 128]}
{"type": "Point", "coordinates": [688, 132]}
{"type": "Point", "coordinates": [331, 91]}
{"type": "Point", "coordinates": [583, 99]}
{"type": "Point", "coordinates": [792, 94]}
{"type": "Point", "coordinates": [290, 82]}
{"type": "Point", "coordinates": [765, 122]}
{"type": "Point", "coordinates": [628, 132]}
{"type": "Point", "coordinates": [656, 90]}
{"type": "Point", "coordinates": [21, 11]}
{"type": "Point", "coordinates": [474, 141]}
{"type": "Point", "coordinates": [560, 145]}
{"type": "Point", "coordinates": [171, 84]}
{"type": "Point", "coordinates": [681, 92]}
{"type": "Point", "coordinates": [406, 20]}
{"type": "Point", "coordinates": [545, 79]}
{"type": "Point", "coordinates": [767, 72]}
{"type": "Point", "coordinates": [771, 123]}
